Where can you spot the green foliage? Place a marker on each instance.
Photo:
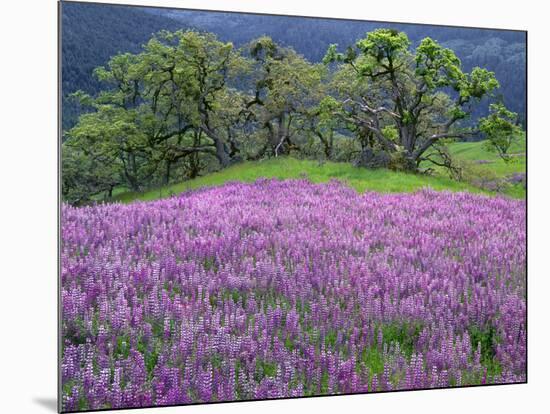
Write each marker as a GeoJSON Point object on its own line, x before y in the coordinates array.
{"type": "Point", "coordinates": [482, 167]}
{"type": "Point", "coordinates": [384, 44]}
{"type": "Point", "coordinates": [479, 152]}
{"type": "Point", "coordinates": [162, 108]}
{"type": "Point", "coordinates": [438, 66]}
{"type": "Point", "coordinates": [288, 91]}
{"type": "Point", "coordinates": [84, 176]}
{"type": "Point", "coordinates": [122, 347]}
{"type": "Point", "coordinates": [289, 344]}
{"type": "Point", "coordinates": [486, 339]}
{"type": "Point", "coordinates": [150, 355]}
{"type": "Point", "coordinates": [189, 104]}
{"type": "Point", "coordinates": [501, 130]}
{"type": "Point", "coordinates": [324, 383]}
{"type": "Point", "coordinates": [330, 338]}
{"type": "Point", "coordinates": [479, 83]}
{"type": "Point", "coordinates": [372, 360]}
{"type": "Point", "coordinates": [93, 33]}
{"type": "Point", "coordinates": [263, 48]}
{"type": "Point", "coordinates": [384, 87]}
{"type": "Point", "coordinates": [390, 132]}
{"type": "Point", "coordinates": [405, 334]}
{"type": "Point", "coordinates": [332, 55]}
{"type": "Point", "coordinates": [327, 106]}
{"type": "Point", "coordinates": [265, 369]}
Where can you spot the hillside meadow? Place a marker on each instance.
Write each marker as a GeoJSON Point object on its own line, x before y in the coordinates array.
{"type": "Point", "coordinates": [248, 212]}
{"type": "Point", "coordinates": [381, 180]}
{"type": "Point", "coordinates": [285, 288]}
{"type": "Point", "coordinates": [287, 277]}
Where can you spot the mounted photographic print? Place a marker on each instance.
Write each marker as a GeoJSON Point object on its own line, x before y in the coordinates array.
{"type": "Point", "coordinates": [264, 206]}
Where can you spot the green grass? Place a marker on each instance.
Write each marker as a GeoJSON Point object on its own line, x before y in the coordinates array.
{"type": "Point", "coordinates": [494, 166]}
{"type": "Point", "coordinates": [474, 151]}
{"type": "Point", "coordinates": [361, 179]}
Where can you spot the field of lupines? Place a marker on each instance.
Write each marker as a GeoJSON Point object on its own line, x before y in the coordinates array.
{"type": "Point", "coordinates": [287, 288]}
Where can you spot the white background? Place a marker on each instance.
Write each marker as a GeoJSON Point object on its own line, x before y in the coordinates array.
{"type": "Point", "coordinates": [28, 212]}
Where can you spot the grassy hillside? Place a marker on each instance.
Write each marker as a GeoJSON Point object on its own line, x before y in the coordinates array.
{"type": "Point", "coordinates": [476, 151]}
{"type": "Point", "coordinates": [480, 162]}
{"type": "Point", "coordinates": [359, 178]}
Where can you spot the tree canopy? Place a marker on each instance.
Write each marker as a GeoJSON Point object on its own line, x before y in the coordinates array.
{"type": "Point", "coordinates": [422, 95]}
{"type": "Point", "coordinates": [189, 103]}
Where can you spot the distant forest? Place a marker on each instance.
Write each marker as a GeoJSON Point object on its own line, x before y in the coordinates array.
{"type": "Point", "coordinates": [93, 33]}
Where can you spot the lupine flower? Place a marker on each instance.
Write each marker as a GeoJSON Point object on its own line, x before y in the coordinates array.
{"type": "Point", "coordinates": [288, 288]}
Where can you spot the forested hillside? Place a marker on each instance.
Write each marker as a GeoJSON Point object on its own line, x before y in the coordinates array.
{"type": "Point", "coordinates": [93, 33]}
